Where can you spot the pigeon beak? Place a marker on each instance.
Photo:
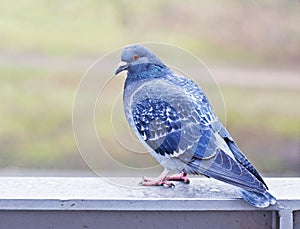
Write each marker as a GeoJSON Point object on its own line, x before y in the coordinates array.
{"type": "Point", "coordinates": [122, 66]}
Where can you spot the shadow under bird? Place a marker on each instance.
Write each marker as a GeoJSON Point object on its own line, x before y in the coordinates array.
{"type": "Point", "coordinates": [172, 117]}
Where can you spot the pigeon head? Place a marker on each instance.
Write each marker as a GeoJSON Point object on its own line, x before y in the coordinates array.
{"type": "Point", "coordinates": [134, 55]}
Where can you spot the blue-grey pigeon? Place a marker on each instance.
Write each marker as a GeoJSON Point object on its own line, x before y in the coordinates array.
{"type": "Point", "coordinates": [172, 116]}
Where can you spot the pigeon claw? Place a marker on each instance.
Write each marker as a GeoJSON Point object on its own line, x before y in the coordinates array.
{"type": "Point", "coordinates": [168, 184]}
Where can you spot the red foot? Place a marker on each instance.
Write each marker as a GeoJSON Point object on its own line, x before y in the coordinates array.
{"type": "Point", "coordinates": [179, 177]}
{"type": "Point", "coordinates": [163, 182]}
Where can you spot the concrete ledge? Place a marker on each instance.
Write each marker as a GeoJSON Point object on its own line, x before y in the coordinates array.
{"type": "Point", "coordinates": [121, 202]}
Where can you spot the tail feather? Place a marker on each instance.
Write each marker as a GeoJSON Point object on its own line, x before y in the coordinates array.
{"type": "Point", "coordinates": [257, 199]}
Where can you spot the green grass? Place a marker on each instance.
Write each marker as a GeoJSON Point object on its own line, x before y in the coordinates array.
{"type": "Point", "coordinates": [35, 111]}
{"type": "Point", "coordinates": [58, 28]}
{"type": "Point", "coordinates": [36, 102]}
{"type": "Point", "coordinates": [95, 27]}
{"type": "Point", "coordinates": [36, 130]}
{"type": "Point", "coordinates": [274, 109]}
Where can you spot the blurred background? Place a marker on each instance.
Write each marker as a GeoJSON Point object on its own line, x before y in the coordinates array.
{"type": "Point", "coordinates": [251, 47]}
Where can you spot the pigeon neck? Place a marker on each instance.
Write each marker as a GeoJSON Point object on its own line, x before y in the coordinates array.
{"type": "Point", "coordinates": [145, 71]}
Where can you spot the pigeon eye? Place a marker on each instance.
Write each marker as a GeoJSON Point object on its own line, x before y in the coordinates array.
{"type": "Point", "coordinates": [136, 57]}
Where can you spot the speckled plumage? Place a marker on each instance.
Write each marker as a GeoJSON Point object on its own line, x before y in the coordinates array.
{"type": "Point", "coordinates": [172, 116]}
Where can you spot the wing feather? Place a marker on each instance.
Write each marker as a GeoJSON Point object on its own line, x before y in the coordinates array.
{"type": "Point", "coordinates": [224, 168]}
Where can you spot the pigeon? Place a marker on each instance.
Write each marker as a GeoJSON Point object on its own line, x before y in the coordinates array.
{"type": "Point", "coordinates": [173, 118]}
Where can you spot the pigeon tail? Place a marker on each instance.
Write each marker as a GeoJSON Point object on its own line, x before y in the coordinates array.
{"type": "Point", "coordinates": [257, 199]}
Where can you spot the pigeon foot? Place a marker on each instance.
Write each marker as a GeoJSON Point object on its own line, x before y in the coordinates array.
{"type": "Point", "coordinates": [155, 182]}
{"type": "Point", "coordinates": [179, 177]}
{"type": "Point", "coordinates": [164, 180]}
{"type": "Point", "coordinates": [159, 181]}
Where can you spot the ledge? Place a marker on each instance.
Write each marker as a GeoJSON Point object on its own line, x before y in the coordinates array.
{"type": "Point", "coordinates": [115, 195]}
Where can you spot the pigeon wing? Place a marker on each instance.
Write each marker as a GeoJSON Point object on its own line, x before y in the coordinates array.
{"type": "Point", "coordinates": [169, 122]}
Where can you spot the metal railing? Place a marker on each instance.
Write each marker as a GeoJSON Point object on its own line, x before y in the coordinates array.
{"type": "Point", "coordinates": [48, 202]}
